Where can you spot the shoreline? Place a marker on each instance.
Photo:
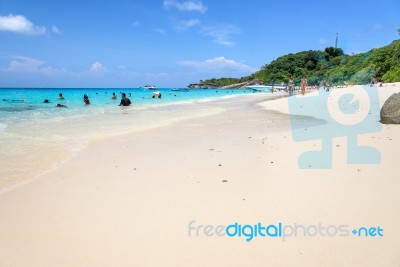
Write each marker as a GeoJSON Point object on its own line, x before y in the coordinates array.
{"type": "Point", "coordinates": [128, 200]}
{"type": "Point", "coordinates": [199, 106]}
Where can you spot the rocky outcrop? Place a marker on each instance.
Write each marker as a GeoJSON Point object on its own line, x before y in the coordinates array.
{"type": "Point", "coordinates": [390, 112]}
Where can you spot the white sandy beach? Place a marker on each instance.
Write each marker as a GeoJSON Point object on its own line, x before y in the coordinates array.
{"type": "Point", "coordinates": [128, 200]}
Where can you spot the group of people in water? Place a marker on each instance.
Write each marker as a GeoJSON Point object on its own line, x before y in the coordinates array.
{"type": "Point", "coordinates": [125, 101]}
{"type": "Point", "coordinates": [61, 97]}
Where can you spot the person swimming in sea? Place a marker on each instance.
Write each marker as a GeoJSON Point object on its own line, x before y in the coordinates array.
{"type": "Point", "coordinates": [86, 99]}
{"type": "Point", "coordinates": [124, 100]}
{"type": "Point", "coordinates": [61, 106]}
{"type": "Point", "coordinates": [60, 96]}
{"type": "Point", "coordinates": [156, 94]}
{"type": "Point", "coordinates": [113, 96]}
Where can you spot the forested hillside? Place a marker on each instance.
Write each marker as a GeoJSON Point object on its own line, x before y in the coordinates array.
{"type": "Point", "coordinates": [331, 66]}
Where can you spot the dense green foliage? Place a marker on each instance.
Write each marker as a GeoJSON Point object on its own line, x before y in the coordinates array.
{"type": "Point", "coordinates": [331, 66]}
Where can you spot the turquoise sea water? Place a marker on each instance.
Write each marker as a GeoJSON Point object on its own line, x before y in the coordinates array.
{"type": "Point", "coordinates": [37, 136]}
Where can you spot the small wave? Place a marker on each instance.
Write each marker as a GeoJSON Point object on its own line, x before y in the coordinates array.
{"type": "Point", "coordinates": [57, 119]}
{"type": "Point", "coordinates": [3, 126]}
{"type": "Point", "coordinates": [18, 108]}
{"type": "Point", "coordinates": [145, 106]}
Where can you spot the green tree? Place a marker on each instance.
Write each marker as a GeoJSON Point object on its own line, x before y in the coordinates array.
{"type": "Point", "coordinates": [392, 75]}
{"type": "Point", "coordinates": [332, 52]}
{"type": "Point", "coordinates": [336, 60]}
{"type": "Point", "coordinates": [363, 76]}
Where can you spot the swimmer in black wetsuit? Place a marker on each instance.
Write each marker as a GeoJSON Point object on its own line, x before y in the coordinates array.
{"type": "Point", "coordinates": [124, 100]}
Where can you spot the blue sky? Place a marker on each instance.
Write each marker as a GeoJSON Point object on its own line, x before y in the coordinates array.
{"type": "Point", "coordinates": [172, 43]}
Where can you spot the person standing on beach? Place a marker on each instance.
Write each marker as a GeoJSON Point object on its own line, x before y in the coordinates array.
{"type": "Point", "coordinates": [124, 100]}
{"type": "Point", "coordinates": [303, 84]}
{"type": "Point", "coordinates": [291, 85]}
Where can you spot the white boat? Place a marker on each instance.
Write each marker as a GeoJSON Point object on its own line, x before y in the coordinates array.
{"type": "Point", "coordinates": [149, 87]}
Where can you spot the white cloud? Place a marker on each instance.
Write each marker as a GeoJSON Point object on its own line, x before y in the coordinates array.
{"type": "Point", "coordinates": [190, 23]}
{"type": "Point", "coordinates": [22, 64]}
{"type": "Point", "coordinates": [221, 33]}
{"type": "Point", "coordinates": [186, 24]}
{"type": "Point", "coordinates": [218, 64]}
{"type": "Point", "coordinates": [136, 23]}
{"type": "Point", "coordinates": [21, 25]}
{"type": "Point", "coordinates": [25, 64]}
{"type": "Point", "coordinates": [185, 5]}
{"type": "Point", "coordinates": [55, 30]}
{"type": "Point", "coordinates": [97, 67]}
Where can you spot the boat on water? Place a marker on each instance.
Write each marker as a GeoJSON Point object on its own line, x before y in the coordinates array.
{"type": "Point", "coordinates": [149, 87]}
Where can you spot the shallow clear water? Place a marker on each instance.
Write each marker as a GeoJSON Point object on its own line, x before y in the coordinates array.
{"type": "Point", "coordinates": [37, 136]}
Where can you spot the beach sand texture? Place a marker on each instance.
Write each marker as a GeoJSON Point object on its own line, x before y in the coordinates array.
{"type": "Point", "coordinates": [128, 200]}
